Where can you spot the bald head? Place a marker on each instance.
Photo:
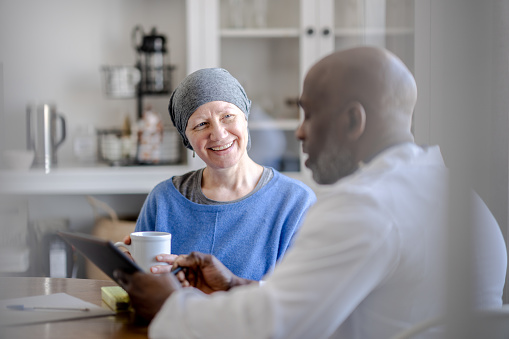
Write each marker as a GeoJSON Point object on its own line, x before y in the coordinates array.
{"type": "Point", "coordinates": [375, 77]}
{"type": "Point", "coordinates": [367, 97]}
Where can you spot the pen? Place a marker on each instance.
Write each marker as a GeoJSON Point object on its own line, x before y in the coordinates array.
{"type": "Point", "coordinates": [25, 308]}
{"type": "Point", "coordinates": [178, 269]}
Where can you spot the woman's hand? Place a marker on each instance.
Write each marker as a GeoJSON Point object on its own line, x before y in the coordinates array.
{"type": "Point", "coordinates": [167, 258]}
{"type": "Point", "coordinates": [127, 241]}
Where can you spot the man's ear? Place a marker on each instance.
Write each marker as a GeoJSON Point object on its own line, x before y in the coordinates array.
{"type": "Point", "coordinates": [356, 120]}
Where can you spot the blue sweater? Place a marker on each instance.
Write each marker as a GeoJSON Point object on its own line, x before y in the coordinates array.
{"type": "Point", "coordinates": [248, 236]}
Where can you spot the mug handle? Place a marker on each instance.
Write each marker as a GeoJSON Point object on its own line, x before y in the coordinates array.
{"type": "Point", "coordinates": [62, 138]}
{"type": "Point", "coordinates": [121, 244]}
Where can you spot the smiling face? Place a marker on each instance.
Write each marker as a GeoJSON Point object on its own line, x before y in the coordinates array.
{"type": "Point", "coordinates": [217, 131]}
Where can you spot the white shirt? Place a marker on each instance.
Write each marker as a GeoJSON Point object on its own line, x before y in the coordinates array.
{"type": "Point", "coordinates": [369, 262]}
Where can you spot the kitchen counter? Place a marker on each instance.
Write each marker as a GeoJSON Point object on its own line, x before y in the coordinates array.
{"type": "Point", "coordinates": [100, 179]}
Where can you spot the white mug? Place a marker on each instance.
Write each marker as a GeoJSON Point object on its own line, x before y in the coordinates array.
{"type": "Point", "coordinates": [145, 246]}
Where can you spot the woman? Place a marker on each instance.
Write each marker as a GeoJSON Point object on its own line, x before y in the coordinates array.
{"type": "Point", "coordinates": [243, 213]}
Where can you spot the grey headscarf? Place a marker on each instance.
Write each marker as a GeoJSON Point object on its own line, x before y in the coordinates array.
{"type": "Point", "coordinates": [201, 87]}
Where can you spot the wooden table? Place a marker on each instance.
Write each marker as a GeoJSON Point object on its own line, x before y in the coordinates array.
{"type": "Point", "coordinates": [117, 326]}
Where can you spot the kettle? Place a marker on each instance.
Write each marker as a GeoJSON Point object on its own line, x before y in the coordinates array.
{"type": "Point", "coordinates": [151, 60]}
{"type": "Point", "coordinates": [42, 134]}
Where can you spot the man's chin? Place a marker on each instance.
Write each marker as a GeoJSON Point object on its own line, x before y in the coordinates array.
{"type": "Point", "coordinates": [320, 178]}
{"type": "Point", "coordinates": [329, 168]}
{"type": "Point", "coordinates": [324, 181]}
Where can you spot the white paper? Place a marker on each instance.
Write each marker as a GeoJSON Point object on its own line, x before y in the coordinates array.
{"type": "Point", "coordinates": [10, 317]}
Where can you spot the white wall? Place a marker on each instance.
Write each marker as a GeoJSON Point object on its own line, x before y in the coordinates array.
{"type": "Point", "coordinates": [53, 50]}
{"type": "Point", "coordinates": [462, 73]}
{"type": "Point", "coordinates": [462, 59]}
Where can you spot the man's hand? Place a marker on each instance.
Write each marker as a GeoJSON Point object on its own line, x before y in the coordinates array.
{"type": "Point", "coordinates": [206, 272]}
{"type": "Point", "coordinates": [147, 292]}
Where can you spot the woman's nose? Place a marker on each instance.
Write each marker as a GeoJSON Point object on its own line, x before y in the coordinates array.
{"type": "Point", "coordinates": [218, 132]}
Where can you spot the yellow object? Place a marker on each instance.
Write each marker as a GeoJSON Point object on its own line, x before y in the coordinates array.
{"type": "Point", "coordinates": [115, 297]}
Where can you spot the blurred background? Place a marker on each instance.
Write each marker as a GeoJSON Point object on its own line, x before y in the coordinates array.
{"type": "Point", "coordinates": [102, 71]}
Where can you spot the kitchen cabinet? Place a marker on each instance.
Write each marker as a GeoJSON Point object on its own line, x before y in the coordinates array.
{"type": "Point", "coordinates": [271, 56]}
{"type": "Point", "coordinates": [270, 60]}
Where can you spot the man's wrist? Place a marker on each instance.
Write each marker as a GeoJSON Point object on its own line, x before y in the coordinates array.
{"type": "Point", "coordinates": [238, 281]}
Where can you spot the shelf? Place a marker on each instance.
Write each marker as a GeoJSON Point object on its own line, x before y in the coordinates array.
{"type": "Point", "coordinates": [260, 33]}
{"type": "Point", "coordinates": [353, 32]}
{"type": "Point", "coordinates": [99, 179]}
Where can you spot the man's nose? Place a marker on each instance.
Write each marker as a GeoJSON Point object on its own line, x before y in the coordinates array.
{"type": "Point", "coordinates": [299, 133]}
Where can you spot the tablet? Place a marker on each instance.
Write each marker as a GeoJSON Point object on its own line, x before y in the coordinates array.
{"type": "Point", "coordinates": [101, 252]}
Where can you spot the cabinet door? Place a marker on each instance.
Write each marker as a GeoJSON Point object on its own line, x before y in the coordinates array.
{"type": "Point", "coordinates": [270, 45]}
{"type": "Point", "coordinates": [317, 32]}
{"type": "Point", "coordinates": [202, 34]}
{"type": "Point", "coordinates": [259, 45]}
{"type": "Point", "coordinates": [383, 23]}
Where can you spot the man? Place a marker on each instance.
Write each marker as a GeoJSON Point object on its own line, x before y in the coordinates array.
{"type": "Point", "coordinates": [369, 259]}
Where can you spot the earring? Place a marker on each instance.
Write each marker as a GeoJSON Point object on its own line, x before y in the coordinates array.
{"type": "Point", "coordinates": [194, 154]}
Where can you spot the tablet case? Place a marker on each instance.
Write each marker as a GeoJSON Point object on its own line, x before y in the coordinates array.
{"type": "Point", "coordinates": [101, 252]}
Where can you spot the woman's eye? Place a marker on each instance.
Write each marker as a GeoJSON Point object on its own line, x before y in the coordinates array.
{"type": "Point", "coordinates": [200, 125]}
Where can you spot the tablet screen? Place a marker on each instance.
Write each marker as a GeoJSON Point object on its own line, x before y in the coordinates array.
{"type": "Point", "coordinates": [101, 252]}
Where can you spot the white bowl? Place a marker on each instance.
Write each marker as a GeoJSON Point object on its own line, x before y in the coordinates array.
{"type": "Point", "coordinates": [18, 159]}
